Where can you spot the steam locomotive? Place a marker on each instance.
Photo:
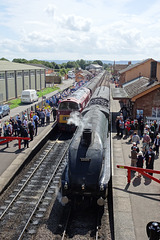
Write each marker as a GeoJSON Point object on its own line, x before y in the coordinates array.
{"type": "Point", "coordinates": [87, 172]}
{"type": "Point", "coordinates": [77, 102]}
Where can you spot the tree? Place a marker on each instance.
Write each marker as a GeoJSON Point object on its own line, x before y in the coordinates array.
{"type": "Point", "coordinates": [81, 63]}
{"type": "Point", "coordinates": [4, 59]}
{"type": "Point", "coordinates": [19, 60]}
{"type": "Point", "coordinates": [98, 62]}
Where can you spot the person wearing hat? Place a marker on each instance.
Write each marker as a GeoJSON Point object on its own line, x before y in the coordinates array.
{"type": "Point", "coordinates": [135, 145]}
{"type": "Point", "coordinates": [140, 161]}
{"type": "Point", "coordinates": [149, 157]}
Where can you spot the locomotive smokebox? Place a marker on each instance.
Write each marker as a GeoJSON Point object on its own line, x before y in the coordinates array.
{"type": "Point", "coordinates": [86, 137]}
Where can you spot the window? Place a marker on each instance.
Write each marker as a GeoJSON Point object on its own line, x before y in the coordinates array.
{"type": "Point", "coordinates": [1, 75]}
{"type": "Point", "coordinates": [19, 74]}
{"type": "Point", "coordinates": [32, 72]}
{"type": "Point", "coordinates": [68, 106]}
{"type": "Point", "coordinates": [10, 75]}
{"type": "Point", "coordinates": [156, 112]}
{"type": "Point", "coordinates": [26, 73]}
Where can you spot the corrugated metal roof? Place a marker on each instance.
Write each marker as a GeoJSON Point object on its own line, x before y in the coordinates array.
{"type": "Point", "coordinates": [11, 66]}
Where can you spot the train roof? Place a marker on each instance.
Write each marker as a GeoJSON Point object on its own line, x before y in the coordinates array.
{"type": "Point", "coordinates": [91, 84]}
{"type": "Point", "coordinates": [101, 92]}
{"type": "Point", "coordinates": [99, 101]}
{"type": "Point", "coordinates": [78, 95]}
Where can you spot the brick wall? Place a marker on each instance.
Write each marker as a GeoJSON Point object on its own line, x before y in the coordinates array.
{"type": "Point", "coordinates": [146, 103]}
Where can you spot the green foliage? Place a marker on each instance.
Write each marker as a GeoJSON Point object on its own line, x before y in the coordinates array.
{"type": "Point", "coordinates": [14, 103]}
{"type": "Point", "coordinates": [57, 67]}
{"type": "Point", "coordinates": [63, 71]}
{"type": "Point", "coordinates": [98, 62]}
{"type": "Point", "coordinates": [19, 60]}
{"type": "Point", "coordinates": [47, 90]}
{"type": "Point", "coordinates": [4, 59]}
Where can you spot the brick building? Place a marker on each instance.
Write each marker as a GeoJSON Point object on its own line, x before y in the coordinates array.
{"type": "Point", "coordinates": [140, 95]}
{"type": "Point", "coordinates": [118, 67]}
{"type": "Point", "coordinates": [147, 68]}
{"type": "Point", "coordinates": [83, 75]}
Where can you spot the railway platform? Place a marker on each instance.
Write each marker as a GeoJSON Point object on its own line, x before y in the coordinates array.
{"type": "Point", "coordinates": [11, 157]}
{"type": "Point", "coordinates": [137, 203]}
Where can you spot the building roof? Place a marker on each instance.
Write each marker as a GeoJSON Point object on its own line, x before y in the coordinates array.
{"type": "Point", "coordinates": [131, 66]}
{"type": "Point", "coordinates": [96, 66]}
{"type": "Point", "coordinates": [134, 87]}
{"type": "Point", "coordinates": [118, 67]}
{"type": "Point", "coordinates": [12, 66]}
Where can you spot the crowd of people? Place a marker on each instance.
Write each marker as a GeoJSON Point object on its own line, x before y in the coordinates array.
{"type": "Point", "coordinates": [26, 125]}
{"type": "Point", "coordinates": [145, 140]}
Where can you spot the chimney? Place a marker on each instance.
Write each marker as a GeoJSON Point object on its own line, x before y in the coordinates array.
{"type": "Point", "coordinates": [86, 138]}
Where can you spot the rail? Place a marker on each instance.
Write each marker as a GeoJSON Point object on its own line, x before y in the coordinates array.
{"type": "Point", "coordinates": [143, 171]}
{"type": "Point", "coordinates": [9, 139]}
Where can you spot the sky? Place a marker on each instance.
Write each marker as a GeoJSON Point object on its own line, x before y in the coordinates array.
{"type": "Point", "coordinates": [80, 29]}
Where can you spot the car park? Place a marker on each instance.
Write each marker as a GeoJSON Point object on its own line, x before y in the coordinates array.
{"type": "Point", "coordinates": [4, 110]}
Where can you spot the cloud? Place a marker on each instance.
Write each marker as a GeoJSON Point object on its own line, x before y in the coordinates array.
{"type": "Point", "coordinates": [50, 10]}
{"type": "Point", "coordinates": [75, 23]}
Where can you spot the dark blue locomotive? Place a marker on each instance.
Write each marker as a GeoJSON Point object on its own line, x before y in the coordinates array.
{"type": "Point", "coordinates": [87, 172]}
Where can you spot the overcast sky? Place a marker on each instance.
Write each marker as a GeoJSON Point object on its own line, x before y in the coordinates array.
{"type": "Point", "coordinates": [80, 29]}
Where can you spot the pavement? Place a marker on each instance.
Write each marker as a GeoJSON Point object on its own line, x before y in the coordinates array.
{"type": "Point", "coordinates": [134, 204]}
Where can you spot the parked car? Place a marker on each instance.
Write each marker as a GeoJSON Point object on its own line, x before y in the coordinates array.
{"type": "Point", "coordinates": [4, 110]}
{"type": "Point", "coordinates": [29, 96]}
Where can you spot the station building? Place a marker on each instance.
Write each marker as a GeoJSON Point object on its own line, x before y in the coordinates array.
{"type": "Point", "coordinates": [16, 77]}
{"type": "Point", "coordinates": [139, 90]}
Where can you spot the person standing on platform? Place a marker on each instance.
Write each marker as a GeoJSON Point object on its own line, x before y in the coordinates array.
{"type": "Point", "coordinates": [121, 125]}
{"type": "Point", "coordinates": [31, 129]}
{"type": "Point", "coordinates": [149, 157]}
{"type": "Point", "coordinates": [157, 144]}
{"type": "Point", "coordinates": [54, 112]}
{"type": "Point", "coordinates": [42, 117]}
{"type": "Point", "coordinates": [0, 128]}
{"type": "Point", "coordinates": [25, 134]}
{"type": "Point", "coordinates": [134, 157]}
{"type": "Point", "coordinates": [48, 113]}
{"type": "Point", "coordinates": [117, 125]}
{"type": "Point", "coordinates": [140, 161]}
{"type": "Point", "coordinates": [15, 128]}
{"type": "Point", "coordinates": [36, 120]}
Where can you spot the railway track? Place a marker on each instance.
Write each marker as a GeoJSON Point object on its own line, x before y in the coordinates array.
{"type": "Point", "coordinates": [85, 222]}
{"type": "Point", "coordinates": [21, 212]}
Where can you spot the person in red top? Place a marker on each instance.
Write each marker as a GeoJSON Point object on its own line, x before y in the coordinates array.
{"type": "Point", "coordinates": [127, 128]}
{"type": "Point", "coordinates": [31, 114]}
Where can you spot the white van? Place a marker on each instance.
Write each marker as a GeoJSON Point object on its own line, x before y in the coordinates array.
{"type": "Point", "coordinates": [29, 96]}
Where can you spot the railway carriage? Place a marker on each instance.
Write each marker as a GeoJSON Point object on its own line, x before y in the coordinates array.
{"type": "Point", "coordinates": [77, 102]}
{"type": "Point", "coordinates": [87, 172]}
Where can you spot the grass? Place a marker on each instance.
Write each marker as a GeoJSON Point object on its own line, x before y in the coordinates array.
{"type": "Point", "coordinates": [17, 102]}
{"type": "Point", "coordinates": [47, 90]}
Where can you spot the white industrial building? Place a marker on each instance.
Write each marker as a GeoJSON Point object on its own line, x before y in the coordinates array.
{"type": "Point", "coordinates": [16, 77]}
